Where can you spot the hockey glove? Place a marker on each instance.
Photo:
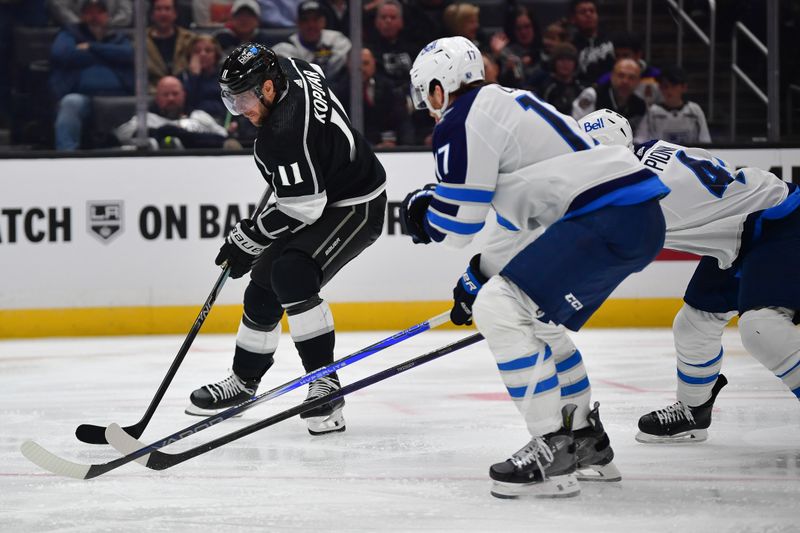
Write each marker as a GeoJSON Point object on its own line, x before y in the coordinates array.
{"type": "Point", "coordinates": [413, 211]}
{"type": "Point", "coordinates": [465, 292]}
{"type": "Point", "coordinates": [241, 248]}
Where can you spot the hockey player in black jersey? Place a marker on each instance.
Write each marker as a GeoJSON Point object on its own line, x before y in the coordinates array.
{"type": "Point", "coordinates": [329, 205]}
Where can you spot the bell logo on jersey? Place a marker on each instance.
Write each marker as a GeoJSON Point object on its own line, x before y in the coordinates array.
{"type": "Point", "coordinates": [596, 125]}
{"type": "Point", "coordinates": [104, 220]}
{"type": "Point", "coordinates": [574, 302]}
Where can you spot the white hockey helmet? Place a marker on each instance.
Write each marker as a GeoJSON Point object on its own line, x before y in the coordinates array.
{"type": "Point", "coordinates": [608, 127]}
{"type": "Point", "coordinates": [452, 62]}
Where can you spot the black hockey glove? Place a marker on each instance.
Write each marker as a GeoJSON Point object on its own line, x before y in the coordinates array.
{"type": "Point", "coordinates": [413, 211]}
{"type": "Point", "coordinates": [465, 292]}
{"type": "Point", "coordinates": [241, 248]}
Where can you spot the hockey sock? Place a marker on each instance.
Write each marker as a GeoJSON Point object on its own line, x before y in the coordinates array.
{"type": "Point", "coordinates": [311, 327]}
{"type": "Point", "coordinates": [503, 314]}
{"type": "Point", "coordinates": [771, 337]}
{"type": "Point", "coordinates": [698, 345]}
{"type": "Point", "coordinates": [255, 346]}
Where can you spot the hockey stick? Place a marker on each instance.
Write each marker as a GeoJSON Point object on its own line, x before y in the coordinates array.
{"type": "Point", "coordinates": [160, 461]}
{"type": "Point", "coordinates": [215, 419]}
{"type": "Point", "coordinates": [92, 434]}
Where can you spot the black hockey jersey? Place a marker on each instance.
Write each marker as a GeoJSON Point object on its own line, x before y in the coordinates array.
{"type": "Point", "coordinates": [310, 154]}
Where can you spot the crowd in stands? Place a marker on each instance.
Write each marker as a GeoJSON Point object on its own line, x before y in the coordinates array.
{"type": "Point", "coordinates": [569, 62]}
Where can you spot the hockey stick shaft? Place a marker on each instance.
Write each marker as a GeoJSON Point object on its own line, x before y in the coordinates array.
{"type": "Point", "coordinates": [48, 461]}
{"type": "Point", "coordinates": [295, 383]}
{"type": "Point", "coordinates": [96, 434]}
{"type": "Point", "coordinates": [162, 461]}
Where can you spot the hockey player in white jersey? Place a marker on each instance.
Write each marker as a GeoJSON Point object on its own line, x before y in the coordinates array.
{"type": "Point", "coordinates": [504, 149]}
{"type": "Point", "coordinates": [746, 226]}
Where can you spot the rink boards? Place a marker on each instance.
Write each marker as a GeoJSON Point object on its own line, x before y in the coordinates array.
{"type": "Point", "coordinates": [125, 245]}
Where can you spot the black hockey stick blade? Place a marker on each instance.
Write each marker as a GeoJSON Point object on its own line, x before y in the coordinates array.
{"type": "Point", "coordinates": [160, 461]}
{"type": "Point", "coordinates": [92, 434]}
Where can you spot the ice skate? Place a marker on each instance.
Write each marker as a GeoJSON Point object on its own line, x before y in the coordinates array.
{"type": "Point", "coordinates": [543, 468]}
{"type": "Point", "coordinates": [594, 452]}
{"type": "Point", "coordinates": [327, 418]}
{"type": "Point", "coordinates": [679, 423]}
{"type": "Point", "coordinates": [215, 397]}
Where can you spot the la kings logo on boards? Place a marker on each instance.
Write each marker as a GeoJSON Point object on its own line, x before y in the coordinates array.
{"type": "Point", "coordinates": [104, 219]}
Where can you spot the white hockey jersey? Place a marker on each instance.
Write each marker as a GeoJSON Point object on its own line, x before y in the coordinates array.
{"type": "Point", "coordinates": [505, 149]}
{"type": "Point", "coordinates": [710, 200]}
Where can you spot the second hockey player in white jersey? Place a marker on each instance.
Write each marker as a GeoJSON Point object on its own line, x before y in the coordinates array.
{"type": "Point", "coordinates": [504, 149]}
{"type": "Point", "coordinates": [746, 226]}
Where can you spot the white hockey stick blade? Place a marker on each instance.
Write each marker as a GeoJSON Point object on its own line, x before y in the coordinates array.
{"type": "Point", "coordinates": [52, 463]}
{"type": "Point", "coordinates": [124, 443]}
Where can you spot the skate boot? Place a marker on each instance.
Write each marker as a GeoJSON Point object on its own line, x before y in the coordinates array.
{"type": "Point", "coordinates": [678, 422]}
{"type": "Point", "coordinates": [327, 418]}
{"type": "Point", "coordinates": [593, 451]}
{"type": "Point", "coordinates": [215, 397]}
{"type": "Point", "coordinates": [543, 468]}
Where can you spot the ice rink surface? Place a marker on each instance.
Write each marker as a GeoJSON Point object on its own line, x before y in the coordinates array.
{"type": "Point", "coordinates": [415, 455]}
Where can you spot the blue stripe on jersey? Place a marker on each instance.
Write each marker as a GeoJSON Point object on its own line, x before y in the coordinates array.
{"type": "Point", "coordinates": [433, 233]}
{"type": "Point", "coordinates": [710, 363]}
{"type": "Point", "coordinates": [570, 362]}
{"type": "Point", "coordinates": [524, 362]}
{"type": "Point", "coordinates": [570, 136]}
{"type": "Point", "coordinates": [697, 381]}
{"type": "Point", "coordinates": [506, 224]}
{"type": "Point", "coordinates": [796, 392]}
{"type": "Point", "coordinates": [575, 388]}
{"type": "Point", "coordinates": [454, 226]}
{"type": "Point", "coordinates": [464, 195]}
{"type": "Point", "coordinates": [632, 189]}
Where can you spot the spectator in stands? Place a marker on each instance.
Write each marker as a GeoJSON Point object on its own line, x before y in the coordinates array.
{"type": "Point", "coordinates": [674, 119]}
{"type": "Point", "coordinates": [562, 86]}
{"type": "Point", "coordinates": [386, 119]}
{"type": "Point", "coordinates": [211, 13]}
{"type": "Point", "coordinates": [518, 50]}
{"type": "Point", "coordinates": [279, 13]}
{"type": "Point", "coordinates": [629, 46]}
{"type": "Point", "coordinates": [67, 12]}
{"type": "Point", "coordinates": [595, 51]}
{"type": "Point", "coordinates": [337, 16]}
{"type": "Point", "coordinates": [313, 43]}
{"type": "Point", "coordinates": [553, 35]}
{"type": "Point", "coordinates": [167, 43]}
{"type": "Point", "coordinates": [201, 78]}
{"type": "Point", "coordinates": [14, 12]}
{"type": "Point", "coordinates": [169, 119]}
{"type": "Point", "coordinates": [464, 20]}
{"type": "Point", "coordinates": [617, 95]}
{"type": "Point", "coordinates": [393, 52]}
{"type": "Point", "coordinates": [491, 70]}
{"type": "Point", "coordinates": [242, 27]}
{"type": "Point", "coordinates": [87, 59]}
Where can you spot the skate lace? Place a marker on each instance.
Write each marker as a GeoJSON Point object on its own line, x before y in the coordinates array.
{"type": "Point", "coordinates": [536, 450]}
{"type": "Point", "coordinates": [675, 413]}
{"type": "Point", "coordinates": [227, 388]}
{"type": "Point", "coordinates": [322, 387]}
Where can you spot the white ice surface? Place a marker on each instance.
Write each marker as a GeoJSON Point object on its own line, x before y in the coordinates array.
{"type": "Point", "coordinates": [415, 455]}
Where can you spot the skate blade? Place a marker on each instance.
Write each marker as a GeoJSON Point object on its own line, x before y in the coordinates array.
{"type": "Point", "coordinates": [695, 435]}
{"type": "Point", "coordinates": [320, 425]}
{"type": "Point", "coordinates": [199, 411]}
{"type": "Point", "coordinates": [554, 487]}
{"type": "Point", "coordinates": [605, 473]}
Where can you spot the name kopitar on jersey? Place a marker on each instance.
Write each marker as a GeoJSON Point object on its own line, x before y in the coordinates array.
{"type": "Point", "coordinates": [317, 95]}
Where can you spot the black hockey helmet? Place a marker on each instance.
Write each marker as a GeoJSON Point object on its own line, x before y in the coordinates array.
{"type": "Point", "coordinates": [248, 66]}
